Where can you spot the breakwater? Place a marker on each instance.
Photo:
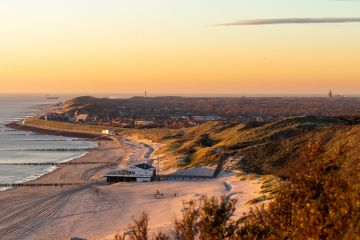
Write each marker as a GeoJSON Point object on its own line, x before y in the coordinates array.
{"type": "Point", "coordinates": [53, 163]}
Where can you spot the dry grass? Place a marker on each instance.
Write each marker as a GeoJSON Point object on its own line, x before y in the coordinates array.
{"type": "Point", "coordinates": [64, 125]}
{"type": "Point", "coordinates": [321, 201]}
{"type": "Point", "coordinates": [270, 149]}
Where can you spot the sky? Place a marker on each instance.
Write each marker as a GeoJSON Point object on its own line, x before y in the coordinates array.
{"type": "Point", "coordinates": [180, 46]}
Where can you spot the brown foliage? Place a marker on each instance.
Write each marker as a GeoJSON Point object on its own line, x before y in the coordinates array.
{"type": "Point", "coordinates": [211, 220]}
{"type": "Point", "coordinates": [138, 230]}
{"type": "Point", "coordinates": [321, 201]}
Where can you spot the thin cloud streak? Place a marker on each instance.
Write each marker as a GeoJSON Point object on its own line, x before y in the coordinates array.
{"type": "Point", "coordinates": [291, 21]}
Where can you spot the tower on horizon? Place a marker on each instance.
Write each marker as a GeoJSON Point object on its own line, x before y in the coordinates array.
{"type": "Point", "coordinates": [330, 94]}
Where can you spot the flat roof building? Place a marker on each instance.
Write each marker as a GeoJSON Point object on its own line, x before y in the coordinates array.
{"type": "Point", "coordinates": [138, 173]}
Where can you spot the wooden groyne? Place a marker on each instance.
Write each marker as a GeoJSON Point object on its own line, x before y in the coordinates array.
{"type": "Point", "coordinates": [52, 149]}
{"type": "Point", "coordinates": [157, 178]}
{"type": "Point", "coordinates": [7, 185]}
{"type": "Point", "coordinates": [55, 163]}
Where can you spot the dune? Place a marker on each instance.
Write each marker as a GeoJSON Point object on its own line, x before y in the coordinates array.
{"type": "Point", "coordinates": [97, 210]}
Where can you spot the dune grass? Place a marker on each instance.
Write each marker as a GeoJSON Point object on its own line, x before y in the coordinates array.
{"type": "Point", "coordinates": [64, 125]}
{"type": "Point", "coordinates": [321, 201]}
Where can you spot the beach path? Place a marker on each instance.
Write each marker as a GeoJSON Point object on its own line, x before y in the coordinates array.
{"type": "Point", "coordinates": [97, 210]}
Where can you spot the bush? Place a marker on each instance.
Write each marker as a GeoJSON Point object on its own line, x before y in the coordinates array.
{"type": "Point", "coordinates": [318, 203]}
{"type": "Point", "coordinates": [138, 230]}
{"type": "Point", "coordinates": [321, 201]}
{"type": "Point", "coordinates": [211, 220]}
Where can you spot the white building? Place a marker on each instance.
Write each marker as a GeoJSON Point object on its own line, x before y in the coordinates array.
{"type": "Point", "coordinates": [139, 173]}
{"type": "Point", "coordinates": [108, 132]}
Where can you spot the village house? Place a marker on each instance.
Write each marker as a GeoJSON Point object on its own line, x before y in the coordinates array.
{"type": "Point", "coordinates": [178, 123]}
{"type": "Point", "coordinates": [138, 173]}
{"type": "Point", "coordinates": [82, 118]}
{"type": "Point", "coordinates": [208, 118]}
{"type": "Point", "coordinates": [143, 123]}
{"type": "Point", "coordinates": [57, 117]}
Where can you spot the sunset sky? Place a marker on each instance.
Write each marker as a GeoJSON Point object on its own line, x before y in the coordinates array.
{"type": "Point", "coordinates": [180, 46]}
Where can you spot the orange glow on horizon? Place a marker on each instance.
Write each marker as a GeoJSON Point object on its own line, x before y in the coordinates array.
{"type": "Point", "coordinates": [122, 53]}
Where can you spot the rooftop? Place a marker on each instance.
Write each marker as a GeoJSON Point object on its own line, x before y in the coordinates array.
{"type": "Point", "coordinates": [144, 166]}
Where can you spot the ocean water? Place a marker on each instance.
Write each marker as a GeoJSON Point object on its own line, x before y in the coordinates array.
{"type": "Point", "coordinates": [27, 147]}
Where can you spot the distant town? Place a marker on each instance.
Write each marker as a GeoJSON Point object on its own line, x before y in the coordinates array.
{"type": "Point", "coordinates": [179, 112]}
{"type": "Point", "coordinates": [126, 122]}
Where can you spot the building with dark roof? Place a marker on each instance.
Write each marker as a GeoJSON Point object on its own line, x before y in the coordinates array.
{"type": "Point", "coordinates": [138, 173]}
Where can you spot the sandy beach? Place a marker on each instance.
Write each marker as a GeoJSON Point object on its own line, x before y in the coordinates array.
{"type": "Point", "coordinates": [96, 210]}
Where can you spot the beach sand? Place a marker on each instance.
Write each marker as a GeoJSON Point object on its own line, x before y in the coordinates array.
{"type": "Point", "coordinates": [98, 211]}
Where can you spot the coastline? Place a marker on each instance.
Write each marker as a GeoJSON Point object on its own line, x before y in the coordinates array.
{"type": "Point", "coordinates": [91, 136]}
{"type": "Point", "coordinates": [34, 203]}
{"type": "Point", "coordinates": [88, 211]}
{"type": "Point", "coordinates": [57, 132]}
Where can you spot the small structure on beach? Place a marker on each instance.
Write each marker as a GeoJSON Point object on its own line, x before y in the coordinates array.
{"type": "Point", "coordinates": [108, 132]}
{"type": "Point", "coordinates": [138, 173]}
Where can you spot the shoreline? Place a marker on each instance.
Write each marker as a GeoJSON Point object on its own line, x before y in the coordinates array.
{"type": "Point", "coordinates": [57, 132]}
{"type": "Point", "coordinates": [43, 131]}
{"type": "Point", "coordinates": [90, 211]}
{"type": "Point", "coordinates": [34, 207]}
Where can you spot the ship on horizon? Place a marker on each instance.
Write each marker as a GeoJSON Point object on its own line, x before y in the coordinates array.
{"type": "Point", "coordinates": [48, 97]}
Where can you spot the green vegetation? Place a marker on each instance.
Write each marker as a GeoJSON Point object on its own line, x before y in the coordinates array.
{"type": "Point", "coordinates": [318, 157]}
{"type": "Point", "coordinates": [231, 108]}
{"type": "Point", "coordinates": [321, 201]}
{"type": "Point", "coordinates": [64, 125]}
{"type": "Point", "coordinates": [270, 148]}
{"type": "Point", "coordinates": [211, 219]}
{"type": "Point", "coordinates": [267, 149]}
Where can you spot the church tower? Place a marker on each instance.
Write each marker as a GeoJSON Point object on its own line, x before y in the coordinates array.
{"type": "Point", "coordinates": [330, 94]}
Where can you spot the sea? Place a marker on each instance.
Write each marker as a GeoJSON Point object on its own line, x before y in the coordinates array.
{"type": "Point", "coordinates": [29, 147]}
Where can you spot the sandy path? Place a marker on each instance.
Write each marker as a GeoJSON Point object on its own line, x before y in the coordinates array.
{"type": "Point", "coordinates": [98, 211]}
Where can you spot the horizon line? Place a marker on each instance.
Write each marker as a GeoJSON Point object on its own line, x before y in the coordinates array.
{"type": "Point", "coordinates": [149, 94]}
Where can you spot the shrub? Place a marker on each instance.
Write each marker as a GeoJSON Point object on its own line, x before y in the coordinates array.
{"type": "Point", "coordinates": [320, 201]}
{"type": "Point", "coordinates": [138, 230]}
{"type": "Point", "coordinates": [211, 220]}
